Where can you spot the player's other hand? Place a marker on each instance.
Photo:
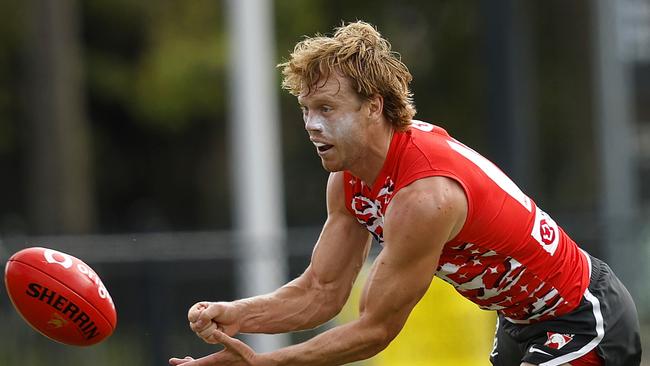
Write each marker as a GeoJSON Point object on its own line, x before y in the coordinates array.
{"type": "Point", "coordinates": [235, 353]}
{"type": "Point", "coordinates": [206, 317]}
{"type": "Point", "coordinates": [179, 361]}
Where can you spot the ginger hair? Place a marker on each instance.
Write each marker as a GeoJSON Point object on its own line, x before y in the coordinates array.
{"type": "Point", "coordinates": [359, 52]}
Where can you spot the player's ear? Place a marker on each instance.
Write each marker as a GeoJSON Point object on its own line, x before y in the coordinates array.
{"type": "Point", "coordinates": [375, 106]}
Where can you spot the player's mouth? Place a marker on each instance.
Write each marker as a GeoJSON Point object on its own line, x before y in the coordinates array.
{"type": "Point", "coordinates": [322, 147]}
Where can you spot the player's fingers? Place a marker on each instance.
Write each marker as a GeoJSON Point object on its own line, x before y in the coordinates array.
{"type": "Point", "coordinates": [196, 309]}
{"type": "Point", "coordinates": [211, 340]}
{"type": "Point", "coordinates": [209, 360]}
{"type": "Point", "coordinates": [205, 333]}
{"type": "Point", "coordinates": [212, 311]}
{"type": "Point", "coordinates": [200, 325]}
{"type": "Point", "coordinates": [179, 361]}
{"type": "Point", "coordinates": [205, 327]}
{"type": "Point", "coordinates": [232, 344]}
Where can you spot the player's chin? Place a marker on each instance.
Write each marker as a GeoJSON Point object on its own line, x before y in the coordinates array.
{"type": "Point", "coordinates": [331, 166]}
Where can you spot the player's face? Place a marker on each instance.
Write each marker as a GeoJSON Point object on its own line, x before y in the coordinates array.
{"type": "Point", "coordinates": [335, 120]}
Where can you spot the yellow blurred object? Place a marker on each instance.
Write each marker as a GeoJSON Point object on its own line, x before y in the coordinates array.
{"type": "Point", "coordinates": [444, 329]}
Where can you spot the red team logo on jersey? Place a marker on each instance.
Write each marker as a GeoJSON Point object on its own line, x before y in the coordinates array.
{"type": "Point", "coordinates": [557, 340]}
{"type": "Point", "coordinates": [547, 232]}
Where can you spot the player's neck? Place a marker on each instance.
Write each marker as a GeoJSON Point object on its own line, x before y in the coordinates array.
{"type": "Point", "coordinates": [369, 167]}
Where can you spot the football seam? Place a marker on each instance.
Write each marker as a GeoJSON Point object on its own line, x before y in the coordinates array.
{"type": "Point", "coordinates": [71, 290]}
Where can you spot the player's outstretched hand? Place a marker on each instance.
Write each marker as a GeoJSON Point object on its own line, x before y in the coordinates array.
{"type": "Point", "coordinates": [235, 353]}
{"type": "Point", "coordinates": [206, 317]}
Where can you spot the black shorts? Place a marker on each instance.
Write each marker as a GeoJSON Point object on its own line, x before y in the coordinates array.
{"type": "Point", "coordinates": [606, 320]}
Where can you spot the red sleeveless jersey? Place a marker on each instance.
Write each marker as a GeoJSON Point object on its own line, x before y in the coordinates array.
{"type": "Point", "coordinates": [510, 256]}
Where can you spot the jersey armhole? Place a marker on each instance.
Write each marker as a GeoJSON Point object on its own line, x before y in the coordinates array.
{"type": "Point", "coordinates": [442, 173]}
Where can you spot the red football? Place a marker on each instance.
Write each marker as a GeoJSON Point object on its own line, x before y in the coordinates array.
{"type": "Point", "coordinates": [60, 296]}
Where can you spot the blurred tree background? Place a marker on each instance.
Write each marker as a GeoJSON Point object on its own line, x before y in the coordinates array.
{"type": "Point", "coordinates": [113, 120]}
{"type": "Point", "coordinates": [153, 94]}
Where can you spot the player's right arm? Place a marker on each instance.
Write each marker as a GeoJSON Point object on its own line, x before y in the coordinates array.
{"type": "Point", "coordinates": [314, 297]}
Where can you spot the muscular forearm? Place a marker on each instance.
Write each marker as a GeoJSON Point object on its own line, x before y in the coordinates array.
{"type": "Point", "coordinates": [340, 345]}
{"type": "Point", "coordinates": [295, 306]}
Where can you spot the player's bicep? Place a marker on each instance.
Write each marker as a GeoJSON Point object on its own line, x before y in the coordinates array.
{"type": "Point", "coordinates": [342, 246]}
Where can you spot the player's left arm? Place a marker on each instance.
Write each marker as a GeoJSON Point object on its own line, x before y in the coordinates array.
{"type": "Point", "coordinates": [421, 218]}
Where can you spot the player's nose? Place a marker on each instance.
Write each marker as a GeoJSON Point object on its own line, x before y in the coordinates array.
{"type": "Point", "coordinates": [313, 123]}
